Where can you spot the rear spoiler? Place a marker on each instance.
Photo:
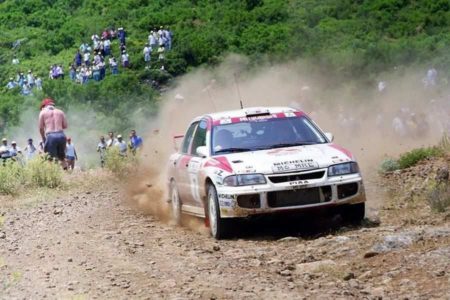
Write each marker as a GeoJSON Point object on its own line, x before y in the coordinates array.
{"type": "Point", "coordinates": [176, 141]}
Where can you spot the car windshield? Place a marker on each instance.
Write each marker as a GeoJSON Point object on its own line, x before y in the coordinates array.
{"type": "Point", "coordinates": [262, 134]}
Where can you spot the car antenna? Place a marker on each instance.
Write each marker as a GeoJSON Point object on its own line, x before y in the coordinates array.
{"type": "Point", "coordinates": [237, 89]}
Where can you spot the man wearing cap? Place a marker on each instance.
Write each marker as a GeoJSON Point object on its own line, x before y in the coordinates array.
{"type": "Point", "coordinates": [121, 145]}
{"type": "Point", "coordinates": [30, 150]}
{"type": "Point", "coordinates": [52, 122]}
{"type": "Point", "coordinates": [4, 149]}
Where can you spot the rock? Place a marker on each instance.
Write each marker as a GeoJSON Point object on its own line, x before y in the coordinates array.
{"type": "Point", "coordinates": [397, 241]}
{"type": "Point", "coordinates": [58, 211]}
{"type": "Point", "coordinates": [2, 235]}
{"type": "Point", "coordinates": [70, 260]}
{"type": "Point", "coordinates": [285, 273]}
{"type": "Point", "coordinates": [288, 239]}
{"type": "Point", "coordinates": [216, 248]}
{"type": "Point", "coordinates": [349, 276]}
{"type": "Point", "coordinates": [341, 239]}
{"type": "Point", "coordinates": [370, 254]}
{"type": "Point", "coordinates": [442, 174]}
{"type": "Point", "coordinates": [313, 266]}
{"type": "Point", "coordinates": [439, 273]}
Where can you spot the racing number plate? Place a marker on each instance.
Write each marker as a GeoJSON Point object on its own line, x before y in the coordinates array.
{"type": "Point", "coordinates": [294, 165]}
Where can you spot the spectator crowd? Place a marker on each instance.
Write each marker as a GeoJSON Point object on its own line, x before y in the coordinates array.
{"type": "Point", "coordinates": [93, 61]}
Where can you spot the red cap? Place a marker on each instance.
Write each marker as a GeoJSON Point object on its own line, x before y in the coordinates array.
{"type": "Point", "coordinates": [47, 101]}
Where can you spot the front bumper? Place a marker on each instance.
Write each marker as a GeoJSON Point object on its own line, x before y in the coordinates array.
{"type": "Point", "coordinates": [272, 197]}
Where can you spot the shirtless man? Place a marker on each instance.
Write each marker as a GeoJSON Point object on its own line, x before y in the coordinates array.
{"type": "Point", "coordinates": [52, 123]}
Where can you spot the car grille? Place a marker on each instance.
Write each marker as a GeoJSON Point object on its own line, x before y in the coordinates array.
{"type": "Point", "coordinates": [295, 177]}
{"type": "Point", "coordinates": [299, 197]}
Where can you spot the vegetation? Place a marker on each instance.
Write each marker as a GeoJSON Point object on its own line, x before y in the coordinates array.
{"type": "Point", "coordinates": [346, 39]}
{"type": "Point", "coordinates": [439, 197]}
{"type": "Point", "coordinates": [36, 173]}
{"type": "Point", "coordinates": [118, 164]}
{"type": "Point", "coordinates": [410, 158]}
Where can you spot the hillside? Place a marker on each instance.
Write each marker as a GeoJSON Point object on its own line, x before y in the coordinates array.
{"type": "Point", "coordinates": [348, 39]}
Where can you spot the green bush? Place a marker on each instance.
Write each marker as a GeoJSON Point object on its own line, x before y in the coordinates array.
{"type": "Point", "coordinates": [119, 164]}
{"type": "Point", "coordinates": [12, 177]}
{"type": "Point", "coordinates": [389, 165]}
{"type": "Point", "coordinates": [411, 158]}
{"type": "Point", "coordinates": [43, 173]}
{"type": "Point", "coordinates": [439, 197]}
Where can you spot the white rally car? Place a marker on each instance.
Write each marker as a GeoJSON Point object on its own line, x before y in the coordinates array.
{"type": "Point", "coordinates": [256, 161]}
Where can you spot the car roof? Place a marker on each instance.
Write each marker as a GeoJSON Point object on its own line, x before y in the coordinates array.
{"type": "Point", "coordinates": [251, 111]}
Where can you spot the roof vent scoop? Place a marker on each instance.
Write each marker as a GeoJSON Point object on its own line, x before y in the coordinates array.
{"type": "Point", "coordinates": [257, 111]}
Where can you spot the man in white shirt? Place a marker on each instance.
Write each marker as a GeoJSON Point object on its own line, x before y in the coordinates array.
{"type": "Point", "coordinates": [121, 145]}
{"type": "Point", "coordinates": [147, 52]}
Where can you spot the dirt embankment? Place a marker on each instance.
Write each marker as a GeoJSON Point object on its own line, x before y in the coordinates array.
{"type": "Point", "coordinates": [88, 243]}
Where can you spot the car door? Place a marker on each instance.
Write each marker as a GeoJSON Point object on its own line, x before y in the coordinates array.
{"type": "Point", "coordinates": [195, 164]}
{"type": "Point", "coordinates": [182, 176]}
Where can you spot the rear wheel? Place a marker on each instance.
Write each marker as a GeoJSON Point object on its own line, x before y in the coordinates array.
{"type": "Point", "coordinates": [176, 203]}
{"type": "Point", "coordinates": [354, 213]}
{"type": "Point", "coordinates": [219, 227]}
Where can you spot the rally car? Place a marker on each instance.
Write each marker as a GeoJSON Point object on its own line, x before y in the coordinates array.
{"type": "Point", "coordinates": [255, 161]}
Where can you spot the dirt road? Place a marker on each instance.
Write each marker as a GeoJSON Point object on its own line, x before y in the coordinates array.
{"type": "Point", "coordinates": [92, 245]}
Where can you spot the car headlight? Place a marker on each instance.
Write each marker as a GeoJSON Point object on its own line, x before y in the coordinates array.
{"type": "Point", "coordinates": [246, 179]}
{"type": "Point", "coordinates": [343, 169]}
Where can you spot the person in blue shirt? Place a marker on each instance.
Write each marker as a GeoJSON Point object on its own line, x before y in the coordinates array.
{"type": "Point", "coordinates": [135, 141]}
{"type": "Point", "coordinates": [11, 83]}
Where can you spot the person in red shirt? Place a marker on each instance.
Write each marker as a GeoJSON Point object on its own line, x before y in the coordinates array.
{"type": "Point", "coordinates": [52, 123]}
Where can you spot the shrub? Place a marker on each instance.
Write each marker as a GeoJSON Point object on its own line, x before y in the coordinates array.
{"type": "Point", "coordinates": [118, 164]}
{"type": "Point", "coordinates": [389, 165]}
{"type": "Point", "coordinates": [43, 173]}
{"type": "Point", "coordinates": [411, 158]}
{"type": "Point", "coordinates": [11, 177]}
{"type": "Point", "coordinates": [438, 197]}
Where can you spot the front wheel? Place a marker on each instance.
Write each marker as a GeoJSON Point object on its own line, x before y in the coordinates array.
{"type": "Point", "coordinates": [219, 227]}
{"type": "Point", "coordinates": [354, 213]}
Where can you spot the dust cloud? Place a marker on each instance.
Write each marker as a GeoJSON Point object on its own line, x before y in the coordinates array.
{"type": "Point", "coordinates": [361, 117]}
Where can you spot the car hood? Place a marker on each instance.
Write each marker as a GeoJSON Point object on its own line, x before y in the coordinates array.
{"type": "Point", "coordinates": [290, 159]}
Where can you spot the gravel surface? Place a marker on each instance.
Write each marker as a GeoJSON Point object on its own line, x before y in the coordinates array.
{"type": "Point", "coordinates": [93, 245]}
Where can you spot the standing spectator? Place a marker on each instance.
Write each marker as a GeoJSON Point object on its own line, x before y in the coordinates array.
{"type": "Point", "coordinates": [101, 67]}
{"type": "Point", "coordinates": [96, 73]}
{"type": "Point", "coordinates": [72, 72]}
{"type": "Point", "coordinates": [122, 48]}
{"type": "Point", "coordinates": [113, 65]}
{"type": "Point", "coordinates": [147, 52]}
{"type": "Point", "coordinates": [169, 36]}
{"type": "Point", "coordinates": [125, 60]}
{"type": "Point", "coordinates": [106, 47]}
{"type": "Point", "coordinates": [31, 80]}
{"type": "Point", "coordinates": [136, 141]}
{"type": "Point", "coordinates": [4, 149]}
{"type": "Point", "coordinates": [11, 84]}
{"type": "Point", "coordinates": [60, 71]}
{"type": "Point", "coordinates": [121, 145]}
{"type": "Point", "coordinates": [14, 150]}
{"type": "Point", "coordinates": [86, 58]}
{"type": "Point", "coordinates": [112, 140]}
{"type": "Point", "coordinates": [20, 79]}
{"type": "Point", "coordinates": [71, 154]}
{"type": "Point", "coordinates": [78, 59]}
{"type": "Point", "coordinates": [101, 148]}
{"type": "Point", "coordinates": [39, 83]}
{"type": "Point", "coordinates": [26, 89]}
{"type": "Point", "coordinates": [121, 34]}
{"type": "Point", "coordinates": [161, 55]}
{"type": "Point", "coordinates": [30, 150]}
{"type": "Point", "coordinates": [105, 34]}
{"type": "Point", "coordinates": [152, 40]}
{"type": "Point", "coordinates": [52, 123]}
{"type": "Point", "coordinates": [15, 60]}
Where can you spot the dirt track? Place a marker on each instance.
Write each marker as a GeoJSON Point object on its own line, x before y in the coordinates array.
{"type": "Point", "coordinates": [94, 245]}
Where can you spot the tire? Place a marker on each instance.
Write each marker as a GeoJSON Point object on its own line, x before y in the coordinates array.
{"type": "Point", "coordinates": [354, 213]}
{"type": "Point", "coordinates": [176, 203]}
{"type": "Point", "coordinates": [219, 227]}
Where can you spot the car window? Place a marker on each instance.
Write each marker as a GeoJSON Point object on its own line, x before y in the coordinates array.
{"type": "Point", "coordinates": [188, 138]}
{"type": "Point", "coordinates": [199, 137]}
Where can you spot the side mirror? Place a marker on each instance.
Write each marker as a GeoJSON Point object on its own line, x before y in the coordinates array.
{"type": "Point", "coordinates": [329, 136]}
{"type": "Point", "coordinates": [202, 151]}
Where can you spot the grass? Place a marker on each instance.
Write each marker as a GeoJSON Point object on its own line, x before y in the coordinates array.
{"type": "Point", "coordinates": [438, 197]}
{"type": "Point", "coordinates": [118, 164]}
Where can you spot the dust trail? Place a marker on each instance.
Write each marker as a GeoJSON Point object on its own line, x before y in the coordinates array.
{"type": "Point", "coordinates": [359, 116]}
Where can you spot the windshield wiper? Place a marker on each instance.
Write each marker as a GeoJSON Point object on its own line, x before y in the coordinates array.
{"type": "Point", "coordinates": [233, 150]}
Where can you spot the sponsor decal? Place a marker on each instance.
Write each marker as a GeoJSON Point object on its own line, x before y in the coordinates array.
{"type": "Point", "coordinates": [284, 151]}
{"type": "Point", "coordinates": [342, 150]}
{"type": "Point", "coordinates": [294, 165]}
{"type": "Point", "coordinates": [226, 200]}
